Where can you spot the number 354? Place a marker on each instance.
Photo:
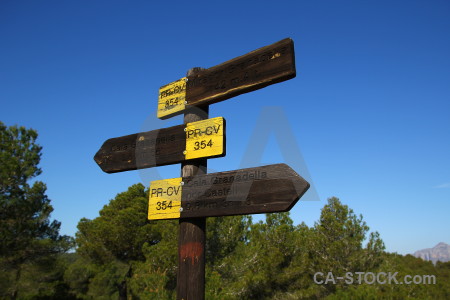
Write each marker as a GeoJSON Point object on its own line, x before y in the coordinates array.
{"type": "Point", "coordinates": [163, 205]}
{"type": "Point", "coordinates": [202, 144]}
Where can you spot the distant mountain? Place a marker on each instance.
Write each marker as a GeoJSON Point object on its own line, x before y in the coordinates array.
{"type": "Point", "coordinates": [439, 252]}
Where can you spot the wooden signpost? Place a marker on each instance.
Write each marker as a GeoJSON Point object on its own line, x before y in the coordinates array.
{"type": "Point", "coordinates": [246, 73]}
{"type": "Point", "coordinates": [266, 189]}
{"type": "Point", "coordinates": [163, 147]}
{"type": "Point", "coordinates": [197, 195]}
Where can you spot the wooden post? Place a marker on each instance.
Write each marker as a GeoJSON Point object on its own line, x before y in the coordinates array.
{"type": "Point", "coordinates": [192, 234]}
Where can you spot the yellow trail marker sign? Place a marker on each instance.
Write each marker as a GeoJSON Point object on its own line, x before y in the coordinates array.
{"type": "Point", "coordinates": [172, 98]}
{"type": "Point", "coordinates": [165, 199]}
{"type": "Point", "coordinates": [205, 138]}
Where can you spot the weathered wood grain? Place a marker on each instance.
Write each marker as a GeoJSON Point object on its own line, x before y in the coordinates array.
{"type": "Point", "coordinates": [162, 147]}
{"type": "Point", "coordinates": [255, 70]}
{"type": "Point", "coordinates": [266, 189]}
{"type": "Point", "coordinates": [272, 188]}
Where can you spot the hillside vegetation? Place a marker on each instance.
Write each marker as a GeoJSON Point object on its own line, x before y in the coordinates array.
{"type": "Point", "coordinates": [121, 255]}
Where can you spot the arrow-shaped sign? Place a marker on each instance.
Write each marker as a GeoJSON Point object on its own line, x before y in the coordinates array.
{"type": "Point", "coordinates": [163, 147]}
{"type": "Point", "coordinates": [266, 189]}
{"type": "Point", "coordinates": [246, 73]}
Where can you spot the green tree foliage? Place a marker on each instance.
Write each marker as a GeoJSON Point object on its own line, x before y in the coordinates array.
{"type": "Point", "coordinates": [119, 245]}
{"type": "Point", "coordinates": [338, 243]}
{"type": "Point", "coordinates": [224, 234]}
{"type": "Point", "coordinates": [402, 266]}
{"type": "Point", "coordinates": [278, 260]}
{"type": "Point", "coordinates": [274, 259]}
{"type": "Point", "coordinates": [120, 230]}
{"type": "Point", "coordinates": [155, 278]}
{"type": "Point", "coordinates": [270, 250]}
{"type": "Point", "coordinates": [121, 255]}
{"type": "Point", "coordinates": [29, 240]}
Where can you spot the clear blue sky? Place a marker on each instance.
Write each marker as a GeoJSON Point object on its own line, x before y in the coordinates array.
{"type": "Point", "coordinates": [369, 108]}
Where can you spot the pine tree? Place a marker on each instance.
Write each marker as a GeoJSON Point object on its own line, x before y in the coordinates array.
{"type": "Point", "coordinates": [27, 234]}
{"type": "Point", "coordinates": [117, 242]}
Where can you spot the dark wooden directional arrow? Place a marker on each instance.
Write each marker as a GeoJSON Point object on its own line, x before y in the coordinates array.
{"type": "Point", "coordinates": [163, 147]}
{"type": "Point", "coordinates": [246, 73]}
{"type": "Point", "coordinates": [266, 189]}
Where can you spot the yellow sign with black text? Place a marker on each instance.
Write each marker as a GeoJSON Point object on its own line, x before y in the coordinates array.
{"type": "Point", "coordinates": [172, 98]}
{"type": "Point", "coordinates": [205, 138]}
{"type": "Point", "coordinates": [165, 199]}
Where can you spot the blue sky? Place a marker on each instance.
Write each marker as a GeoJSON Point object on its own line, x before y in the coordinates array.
{"type": "Point", "coordinates": [369, 108]}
